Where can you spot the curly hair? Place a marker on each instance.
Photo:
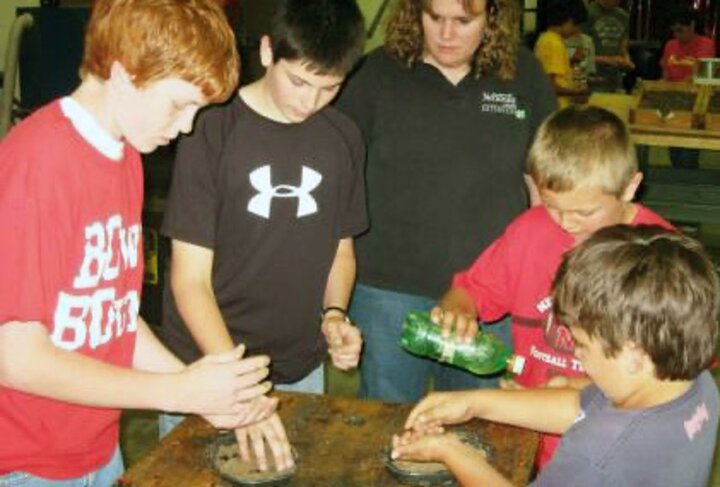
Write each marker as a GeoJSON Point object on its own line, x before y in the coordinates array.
{"type": "Point", "coordinates": [498, 50]}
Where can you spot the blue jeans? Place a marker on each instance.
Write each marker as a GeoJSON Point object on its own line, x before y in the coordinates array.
{"type": "Point", "coordinates": [103, 477]}
{"type": "Point", "coordinates": [389, 373]}
{"type": "Point", "coordinates": [684, 158]}
{"type": "Point", "coordinates": [313, 383]}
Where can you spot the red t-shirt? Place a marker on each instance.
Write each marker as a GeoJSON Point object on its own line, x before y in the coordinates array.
{"type": "Point", "coordinates": [698, 47]}
{"type": "Point", "coordinates": [514, 275]}
{"type": "Point", "coordinates": [71, 259]}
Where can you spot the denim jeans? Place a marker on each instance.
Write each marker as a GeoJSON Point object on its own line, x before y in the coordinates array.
{"type": "Point", "coordinates": [684, 158]}
{"type": "Point", "coordinates": [103, 477]}
{"type": "Point", "coordinates": [389, 373]}
{"type": "Point", "coordinates": [313, 383]}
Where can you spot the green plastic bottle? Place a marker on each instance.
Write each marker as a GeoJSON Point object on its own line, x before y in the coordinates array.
{"type": "Point", "coordinates": [484, 355]}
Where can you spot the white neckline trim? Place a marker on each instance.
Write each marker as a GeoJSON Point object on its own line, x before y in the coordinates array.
{"type": "Point", "coordinates": [90, 130]}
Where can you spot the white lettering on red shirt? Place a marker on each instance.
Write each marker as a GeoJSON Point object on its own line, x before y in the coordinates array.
{"type": "Point", "coordinates": [95, 314]}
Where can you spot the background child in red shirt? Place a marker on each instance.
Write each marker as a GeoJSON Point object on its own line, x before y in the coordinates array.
{"type": "Point", "coordinates": [685, 48]}
{"type": "Point", "coordinates": [678, 64]}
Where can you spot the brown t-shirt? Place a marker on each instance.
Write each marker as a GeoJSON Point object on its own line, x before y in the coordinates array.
{"type": "Point", "coordinates": [272, 201]}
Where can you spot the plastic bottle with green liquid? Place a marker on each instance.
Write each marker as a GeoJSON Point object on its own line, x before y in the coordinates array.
{"type": "Point", "coordinates": [484, 355]}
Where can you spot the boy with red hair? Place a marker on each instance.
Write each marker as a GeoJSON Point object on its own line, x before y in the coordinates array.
{"type": "Point", "coordinates": [73, 348]}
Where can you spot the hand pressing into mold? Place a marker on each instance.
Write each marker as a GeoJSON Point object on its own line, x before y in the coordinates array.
{"type": "Point", "coordinates": [270, 432]}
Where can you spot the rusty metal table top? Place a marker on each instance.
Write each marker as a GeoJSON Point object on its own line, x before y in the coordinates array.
{"type": "Point", "coordinates": [340, 442]}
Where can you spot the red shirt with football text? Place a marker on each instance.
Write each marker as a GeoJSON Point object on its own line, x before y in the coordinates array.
{"type": "Point", "coordinates": [514, 276]}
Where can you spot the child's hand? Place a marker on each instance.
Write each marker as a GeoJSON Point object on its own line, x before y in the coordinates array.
{"type": "Point", "coordinates": [463, 325]}
{"type": "Point", "coordinates": [220, 384]}
{"type": "Point", "coordinates": [421, 446]}
{"type": "Point", "coordinates": [625, 63]}
{"type": "Point", "coordinates": [435, 448]}
{"type": "Point", "coordinates": [441, 408]}
{"type": "Point", "coordinates": [271, 431]}
{"type": "Point", "coordinates": [253, 411]}
{"type": "Point", "coordinates": [344, 342]}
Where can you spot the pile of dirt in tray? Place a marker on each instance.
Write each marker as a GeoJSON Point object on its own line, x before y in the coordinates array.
{"type": "Point", "coordinates": [433, 472]}
{"type": "Point", "coordinates": [226, 459]}
{"type": "Point", "coordinates": [419, 468]}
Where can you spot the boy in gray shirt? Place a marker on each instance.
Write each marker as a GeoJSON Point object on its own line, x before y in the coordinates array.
{"type": "Point", "coordinates": [641, 304]}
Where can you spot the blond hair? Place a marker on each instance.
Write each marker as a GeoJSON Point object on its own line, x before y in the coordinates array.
{"type": "Point", "coordinates": [582, 147]}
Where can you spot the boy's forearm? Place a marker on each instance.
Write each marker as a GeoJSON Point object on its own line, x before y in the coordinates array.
{"type": "Point", "coordinates": [625, 48]}
{"type": "Point", "coordinates": [151, 355]}
{"type": "Point", "coordinates": [610, 60]}
{"type": "Point", "coordinates": [200, 313]}
{"type": "Point", "coordinates": [469, 467]}
{"type": "Point", "coordinates": [191, 284]}
{"type": "Point", "coordinates": [341, 277]}
{"type": "Point", "coordinates": [30, 363]}
{"type": "Point", "coordinates": [476, 473]}
{"type": "Point", "coordinates": [545, 410]}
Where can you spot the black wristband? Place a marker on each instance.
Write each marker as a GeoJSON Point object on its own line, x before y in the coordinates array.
{"type": "Point", "coordinates": [335, 308]}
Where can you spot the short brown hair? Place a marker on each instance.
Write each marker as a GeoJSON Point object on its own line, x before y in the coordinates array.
{"type": "Point", "coordinates": [582, 147]}
{"type": "Point", "coordinates": [647, 285]}
{"type": "Point", "coordinates": [328, 35]}
{"type": "Point", "coordinates": [155, 39]}
{"type": "Point", "coordinates": [498, 50]}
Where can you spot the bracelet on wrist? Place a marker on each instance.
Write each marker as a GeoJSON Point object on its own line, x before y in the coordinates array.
{"type": "Point", "coordinates": [338, 309]}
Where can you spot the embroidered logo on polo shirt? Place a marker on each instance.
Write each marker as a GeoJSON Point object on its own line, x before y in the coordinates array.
{"type": "Point", "coordinates": [503, 103]}
{"type": "Point", "coordinates": [261, 203]}
{"type": "Point", "coordinates": [99, 307]}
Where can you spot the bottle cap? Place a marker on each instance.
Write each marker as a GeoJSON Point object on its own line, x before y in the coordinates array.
{"type": "Point", "coordinates": [518, 364]}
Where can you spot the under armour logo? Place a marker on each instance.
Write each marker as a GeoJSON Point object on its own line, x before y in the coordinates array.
{"type": "Point", "coordinates": [261, 180]}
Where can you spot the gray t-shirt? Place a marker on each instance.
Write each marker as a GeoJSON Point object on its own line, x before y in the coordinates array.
{"type": "Point", "coordinates": [609, 28]}
{"type": "Point", "coordinates": [668, 445]}
{"type": "Point", "coordinates": [585, 67]}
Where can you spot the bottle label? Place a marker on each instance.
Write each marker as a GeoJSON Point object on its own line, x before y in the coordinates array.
{"type": "Point", "coordinates": [517, 364]}
{"type": "Point", "coordinates": [447, 354]}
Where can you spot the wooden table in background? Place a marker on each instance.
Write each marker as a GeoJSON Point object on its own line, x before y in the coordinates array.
{"type": "Point", "coordinates": [690, 138]}
{"type": "Point", "coordinates": [655, 136]}
{"type": "Point", "coordinates": [681, 195]}
{"type": "Point", "coordinates": [339, 440]}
